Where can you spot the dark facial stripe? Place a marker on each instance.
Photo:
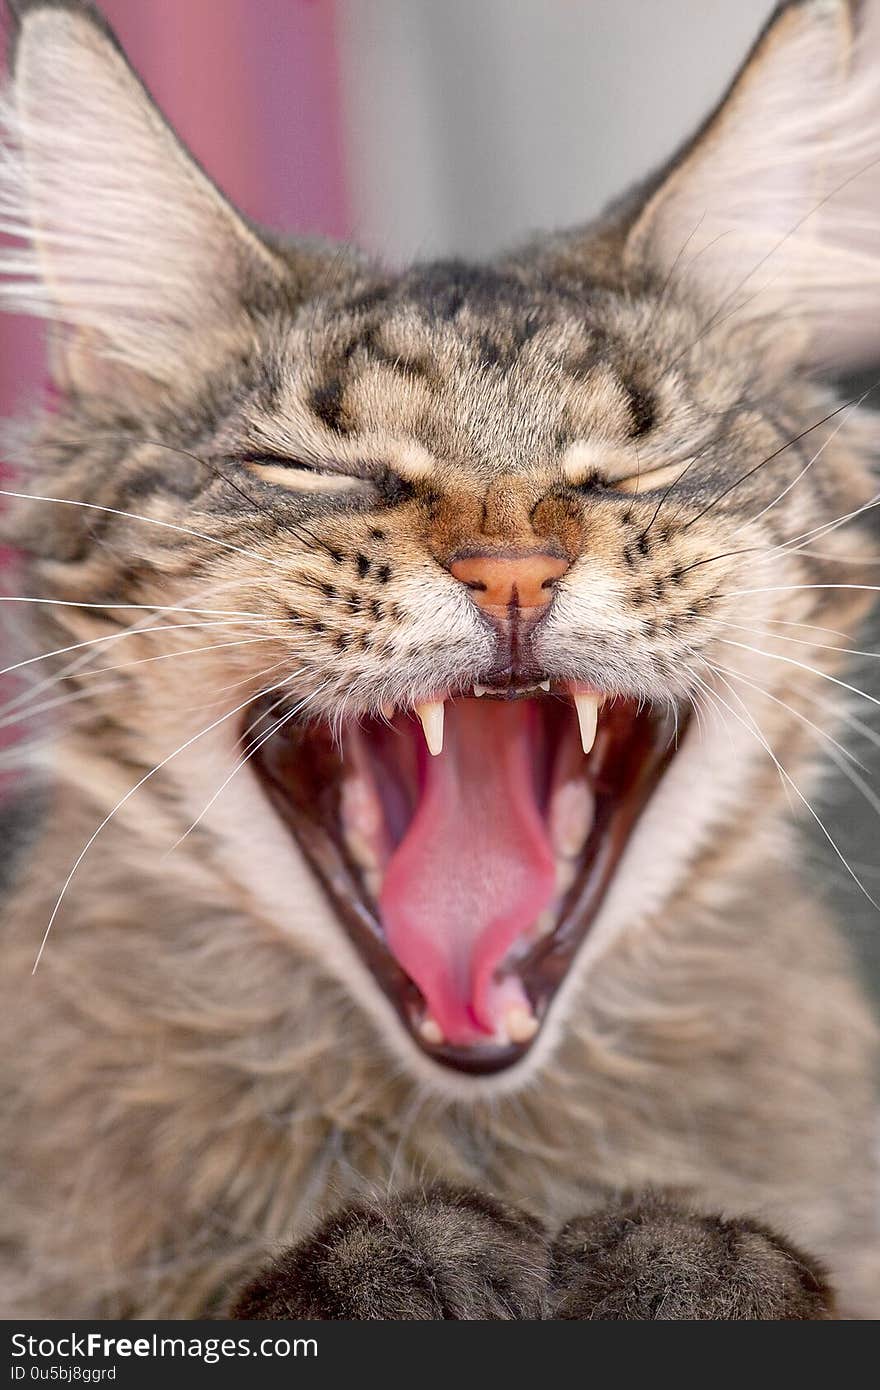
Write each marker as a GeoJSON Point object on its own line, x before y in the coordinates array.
{"type": "Point", "coordinates": [328, 403]}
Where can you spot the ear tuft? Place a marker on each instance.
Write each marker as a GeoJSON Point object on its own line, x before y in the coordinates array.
{"type": "Point", "coordinates": [774, 208]}
{"type": "Point", "coordinates": [119, 234]}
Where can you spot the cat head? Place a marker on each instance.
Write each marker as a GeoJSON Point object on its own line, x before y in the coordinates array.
{"type": "Point", "coordinates": [465, 609]}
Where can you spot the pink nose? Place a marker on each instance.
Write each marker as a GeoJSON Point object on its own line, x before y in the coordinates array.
{"type": "Point", "coordinates": [499, 582]}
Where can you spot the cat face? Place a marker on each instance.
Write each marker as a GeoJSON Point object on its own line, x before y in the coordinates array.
{"type": "Point", "coordinates": [474, 607]}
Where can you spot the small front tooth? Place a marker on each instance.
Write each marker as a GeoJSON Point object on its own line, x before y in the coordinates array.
{"type": "Point", "coordinates": [570, 816]}
{"type": "Point", "coordinates": [566, 873]}
{"type": "Point", "coordinates": [544, 685]}
{"type": "Point", "coordinates": [587, 707]}
{"type": "Point", "coordinates": [479, 690]}
{"type": "Point", "coordinates": [430, 713]}
{"type": "Point", "coordinates": [545, 923]}
{"type": "Point", "coordinates": [360, 809]}
{"type": "Point", "coordinates": [520, 1023]}
{"type": "Point", "coordinates": [361, 851]}
{"type": "Point", "coordinates": [431, 1032]}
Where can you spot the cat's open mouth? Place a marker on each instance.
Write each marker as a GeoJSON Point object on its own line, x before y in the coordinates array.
{"type": "Point", "coordinates": [468, 879]}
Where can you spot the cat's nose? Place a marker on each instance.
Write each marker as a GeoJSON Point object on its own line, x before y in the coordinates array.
{"type": "Point", "coordinates": [499, 582]}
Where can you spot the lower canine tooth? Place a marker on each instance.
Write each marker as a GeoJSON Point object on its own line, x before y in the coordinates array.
{"type": "Point", "coordinates": [521, 1024]}
{"type": "Point", "coordinates": [571, 814]}
{"type": "Point", "coordinates": [545, 923]}
{"type": "Point", "coordinates": [566, 873]}
{"type": "Point", "coordinates": [430, 714]}
{"type": "Point", "coordinates": [360, 810]}
{"type": "Point", "coordinates": [431, 1032]}
{"type": "Point", "coordinates": [587, 707]}
{"type": "Point", "coordinates": [361, 851]}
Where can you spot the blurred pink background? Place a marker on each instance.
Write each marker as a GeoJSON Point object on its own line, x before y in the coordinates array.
{"type": "Point", "coordinates": [253, 90]}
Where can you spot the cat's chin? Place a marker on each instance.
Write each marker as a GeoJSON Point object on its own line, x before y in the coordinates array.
{"type": "Point", "coordinates": [469, 879]}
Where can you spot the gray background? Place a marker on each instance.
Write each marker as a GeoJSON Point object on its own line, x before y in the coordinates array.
{"type": "Point", "coordinates": [471, 123]}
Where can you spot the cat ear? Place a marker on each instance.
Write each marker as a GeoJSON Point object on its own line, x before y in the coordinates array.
{"type": "Point", "coordinates": [123, 241]}
{"type": "Point", "coordinates": [773, 210]}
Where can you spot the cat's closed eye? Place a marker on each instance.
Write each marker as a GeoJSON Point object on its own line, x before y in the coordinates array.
{"type": "Point", "coordinates": [588, 468]}
{"type": "Point", "coordinates": [299, 476]}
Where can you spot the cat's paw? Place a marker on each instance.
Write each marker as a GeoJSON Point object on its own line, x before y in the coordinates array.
{"type": "Point", "coordinates": [648, 1259]}
{"type": "Point", "coordinates": [443, 1253]}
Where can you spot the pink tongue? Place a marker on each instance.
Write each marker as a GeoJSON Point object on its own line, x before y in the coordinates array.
{"type": "Point", "coordinates": [474, 869]}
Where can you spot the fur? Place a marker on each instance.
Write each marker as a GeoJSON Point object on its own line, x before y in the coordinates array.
{"type": "Point", "coordinates": [201, 1066]}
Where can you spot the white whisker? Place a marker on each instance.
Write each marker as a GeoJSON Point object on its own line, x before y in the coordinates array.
{"type": "Point", "coordinates": [77, 666]}
{"type": "Point", "coordinates": [838, 559]}
{"type": "Point", "coordinates": [817, 455]}
{"type": "Point", "coordinates": [814, 627]}
{"type": "Point", "coordinates": [250, 753]}
{"type": "Point", "coordinates": [783, 704]}
{"type": "Point", "coordinates": [96, 641]}
{"type": "Point", "coordinates": [152, 613]}
{"type": "Point", "coordinates": [187, 651]}
{"type": "Point", "coordinates": [795, 788]}
{"type": "Point", "coordinates": [790, 546]}
{"type": "Point", "coordinates": [845, 715]}
{"type": "Point", "coordinates": [28, 712]}
{"type": "Point", "coordinates": [802, 665]}
{"type": "Point", "coordinates": [112, 607]}
{"type": "Point", "coordinates": [127, 797]}
{"type": "Point", "coordinates": [148, 520]}
{"type": "Point", "coordinates": [801, 641]}
{"type": "Point", "coordinates": [798, 588]}
{"type": "Point", "coordinates": [256, 676]}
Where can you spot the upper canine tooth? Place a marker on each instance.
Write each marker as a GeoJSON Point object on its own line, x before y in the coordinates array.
{"type": "Point", "coordinates": [544, 685]}
{"type": "Point", "coordinates": [570, 816]}
{"type": "Point", "coordinates": [544, 923]}
{"type": "Point", "coordinates": [388, 711]}
{"type": "Point", "coordinates": [479, 690]}
{"type": "Point", "coordinates": [587, 707]}
{"type": "Point", "coordinates": [430, 713]}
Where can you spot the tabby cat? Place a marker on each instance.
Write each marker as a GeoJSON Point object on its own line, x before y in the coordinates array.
{"type": "Point", "coordinates": [425, 673]}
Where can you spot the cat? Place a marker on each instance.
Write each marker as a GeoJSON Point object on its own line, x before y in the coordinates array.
{"type": "Point", "coordinates": [426, 674]}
